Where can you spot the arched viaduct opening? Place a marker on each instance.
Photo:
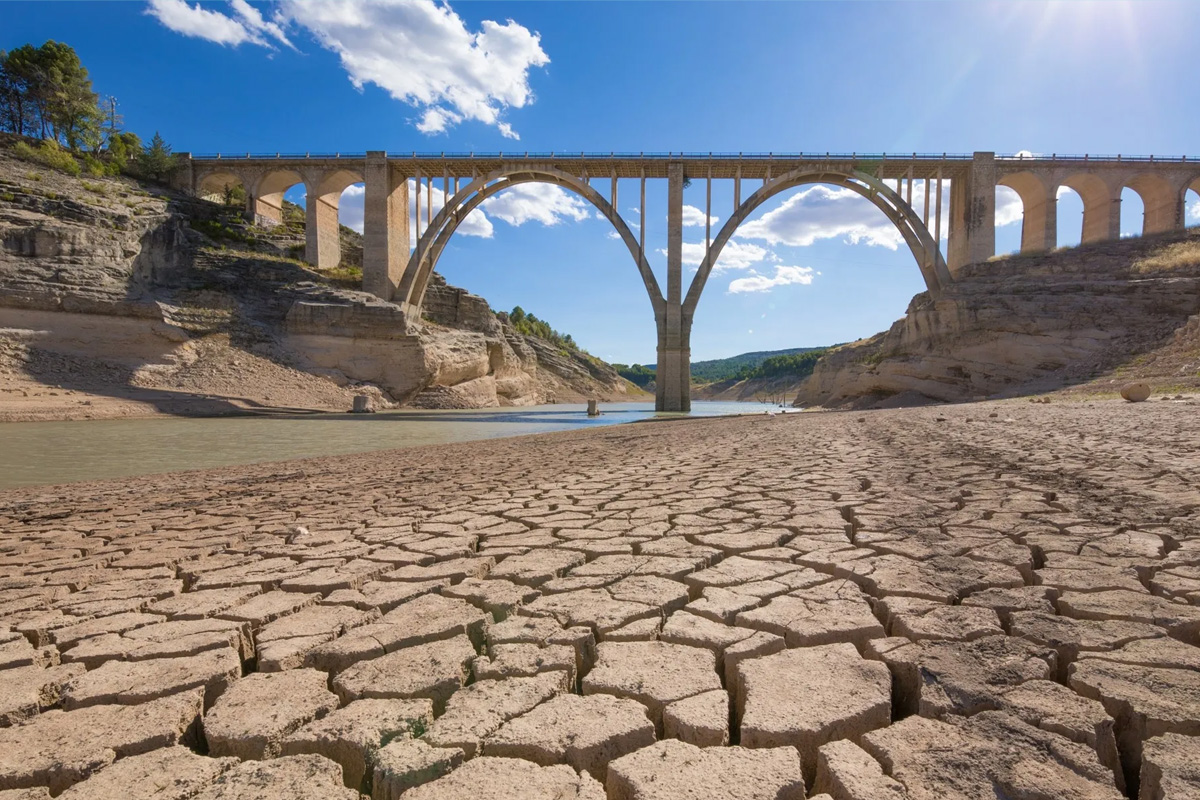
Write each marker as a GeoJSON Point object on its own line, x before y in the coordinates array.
{"type": "Point", "coordinates": [318, 192]}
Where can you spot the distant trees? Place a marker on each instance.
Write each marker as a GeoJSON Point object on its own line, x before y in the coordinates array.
{"type": "Point", "coordinates": [794, 365]}
{"type": "Point", "coordinates": [46, 93]}
{"type": "Point", "coordinates": [635, 373]}
{"type": "Point", "coordinates": [529, 325]}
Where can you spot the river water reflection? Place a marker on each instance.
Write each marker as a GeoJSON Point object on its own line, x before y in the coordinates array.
{"type": "Point", "coordinates": [37, 453]}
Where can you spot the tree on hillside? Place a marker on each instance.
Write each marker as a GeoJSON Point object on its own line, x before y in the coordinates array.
{"type": "Point", "coordinates": [46, 92]}
{"type": "Point", "coordinates": [155, 160]}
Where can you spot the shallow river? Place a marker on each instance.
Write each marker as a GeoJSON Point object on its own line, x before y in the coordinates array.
{"type": "Point", "coordinates": [36, 453]}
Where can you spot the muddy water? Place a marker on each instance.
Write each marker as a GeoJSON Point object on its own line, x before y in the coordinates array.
{"type": "Point", "coordinates": [36, 453]}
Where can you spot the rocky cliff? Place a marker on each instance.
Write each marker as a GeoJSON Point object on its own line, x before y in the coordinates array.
{"type": "Point", "coordinates": [121, 298]}
{"type": "Point", "coordinates": [1090, 317]}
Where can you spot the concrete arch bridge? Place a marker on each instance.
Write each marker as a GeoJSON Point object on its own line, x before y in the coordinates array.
{"type": "Point", "coordinates": [396, 271]}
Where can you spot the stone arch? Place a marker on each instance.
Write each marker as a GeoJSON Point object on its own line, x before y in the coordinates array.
{"type": "Point", "coordinates": [1191, 201]}
{"type": "Point", "coordinates": [266, 195]}
{"type": "Point", "coordinates": [213, 184]}
{"type": "Point", "coordinates": [1101, 206]}
{"type": "Point", "coordinates": [924, 249]}
{"type": "Point", "coordinates": [434, 240]}
{"type": "Point", "coordinates": [1162, 202]}
{"type": "Point", "coordinates": [322, 238]}
{"type": "Point", "coordinates": [1039, 220]}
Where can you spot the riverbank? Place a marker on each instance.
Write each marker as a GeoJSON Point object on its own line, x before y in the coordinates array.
{"type": "Point", "coordinates": [1016, 578]}
{"type": "Point", "coordinates": [37, 453]}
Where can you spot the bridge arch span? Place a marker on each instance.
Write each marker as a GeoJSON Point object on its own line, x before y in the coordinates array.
{"type": "Point", "coordinates": [1162, 202]}
{"type": "Point", "coordinates": [433, 241]}
{"type": "Point", "coordinates": [1039, 225]}
{"type": "Point", "coordinates": [323, 193]}
{"type": "Point", "coordinates": [213, 184]}
{"type": "Point", "coordinates": [1101, 206]}
{"type": "Point", "coordinates": [910, 225]}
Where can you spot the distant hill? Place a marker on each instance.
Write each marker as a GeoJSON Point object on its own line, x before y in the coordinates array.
{"type": "Point", "coordinates": [720, 369]}
{"type": "Point", "coordinates": [723, 369]}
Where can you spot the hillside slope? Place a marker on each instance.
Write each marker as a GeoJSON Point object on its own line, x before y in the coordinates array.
{"type": "Point", "coordinates": [1086, 319]}
{"type": "Point", "coordinates": [119, 298]}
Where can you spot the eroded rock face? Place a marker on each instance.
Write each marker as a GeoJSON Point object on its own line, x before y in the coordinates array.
{"type": "Point", "coordinates": [1080, 311]}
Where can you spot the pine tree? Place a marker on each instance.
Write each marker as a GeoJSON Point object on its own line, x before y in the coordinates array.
{"type": "Point", "coordinates": [155, 161]}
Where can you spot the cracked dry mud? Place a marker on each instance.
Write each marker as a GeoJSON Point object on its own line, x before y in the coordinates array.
{"type": "Point", "coordinates": [994, 600]}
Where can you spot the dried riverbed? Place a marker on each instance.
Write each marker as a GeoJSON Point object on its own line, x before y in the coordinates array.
{"type": "Point", "coordinates": [999, 599]}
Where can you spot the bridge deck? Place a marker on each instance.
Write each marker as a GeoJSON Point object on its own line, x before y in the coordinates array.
{"type": "Point", "coordinates": [697, 167]}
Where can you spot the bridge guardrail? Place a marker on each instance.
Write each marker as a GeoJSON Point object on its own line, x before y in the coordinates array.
{"type": "Point", "coordinates": [615, 156]}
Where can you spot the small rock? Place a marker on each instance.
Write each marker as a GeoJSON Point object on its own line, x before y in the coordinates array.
{"type": "Point", "coordinates": [1135, 392]}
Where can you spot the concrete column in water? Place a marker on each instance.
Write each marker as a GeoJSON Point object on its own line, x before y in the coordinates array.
{"type": "Point", "coordinates": [674, 371]}
{"type": "Point", "coordinates": [385, 226]}
{"type": "Point", "coordinates": [972, 235]}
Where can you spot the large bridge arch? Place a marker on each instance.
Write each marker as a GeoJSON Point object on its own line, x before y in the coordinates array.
{"type": "Point", "coordinates": [916, 235]}
{"type": "Point", "coordinates": [432, 242]}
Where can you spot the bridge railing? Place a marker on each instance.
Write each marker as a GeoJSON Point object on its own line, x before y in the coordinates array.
{"type": "Point", "coordinates": [627, 156]}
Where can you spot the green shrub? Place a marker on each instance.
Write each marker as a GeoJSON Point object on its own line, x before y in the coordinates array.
{"type": "Point", "coordinates": [7, 197]}
{"type": "Point", "coordinates": [48, 154]}
{"type": "Point", "coordinates": [94, 166]}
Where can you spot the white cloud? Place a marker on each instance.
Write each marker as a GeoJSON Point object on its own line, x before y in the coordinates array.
{"type": "Point", "coordinates": [201, 23]}
{"type": "Point", "coordinates": [422, 53]}
{"type": "Point", "coordinates": [1009, 208]}
{"type": "Point", "coordinates": [763, 283]}
{"type": "Point", "coordinates": [826, 212]}
{"type": "Point", "coordinates": [532, 202]}
{"type": "Point", "coordinates": [253, 20]}
{"type": "Point", "coordinates": [694, 217]}
{"type": "Point", "coordinates": [613, 235]}
{"type": "Point", "coordinates": [822, 212]}
{"type": "Point", "coordinates": [537, 202]}
{"type": "Point", "coordinates": [734, 255]}
{"type": "Point", "coordinates": [419, 52]}
{"type": "Point", "coordinates": [1062, 191]}
{"type": "Point", "coordinates": [1193, 211]}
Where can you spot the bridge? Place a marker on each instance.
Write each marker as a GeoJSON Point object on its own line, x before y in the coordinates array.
{"type": "Point", "coordinates": [397, 272]}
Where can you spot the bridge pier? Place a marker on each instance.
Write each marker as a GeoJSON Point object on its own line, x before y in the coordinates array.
{"type": "Point", "coordinates": [673, 381]}
{"type": "Point", "coordinates": [385, 226]}
{"type": "Point", "coordinates": [972, 235]}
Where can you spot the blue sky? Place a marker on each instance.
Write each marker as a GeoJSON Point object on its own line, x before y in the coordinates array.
{"type": "Point", "coordinates": [815, 267]}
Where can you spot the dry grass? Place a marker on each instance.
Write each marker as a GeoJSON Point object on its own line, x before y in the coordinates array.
{"type": "Point", "coordinates": [1180, 255]}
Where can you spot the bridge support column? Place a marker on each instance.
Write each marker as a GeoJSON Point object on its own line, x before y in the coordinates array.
{"type": "Point", "coordinates": [385, 226]}
{"type": "Point", "coordinates": [322, 244]}
{"type": "Point", "coordinates": [674, 371]}
{"type": "Point", "coordinates": [266, 209]}
{"type": "Point", "coordinates": [972, 235]}
{"type": "Point", "coordinates": [1039, 227]}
